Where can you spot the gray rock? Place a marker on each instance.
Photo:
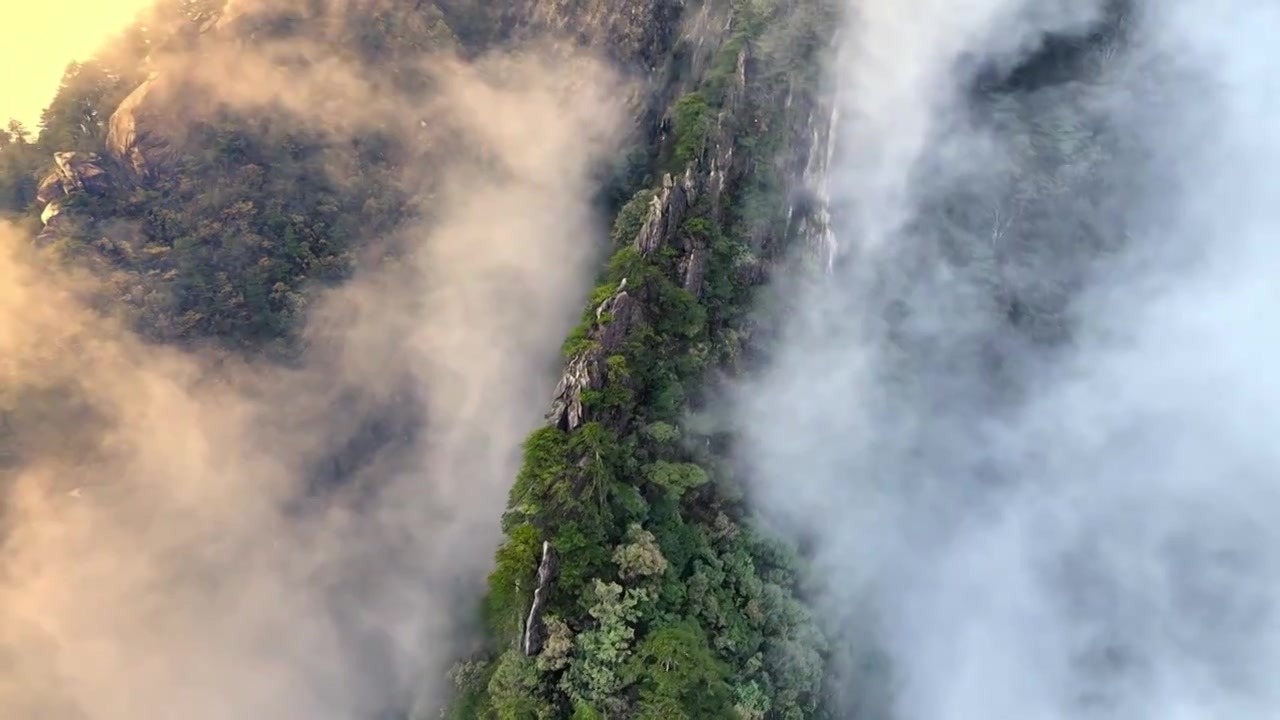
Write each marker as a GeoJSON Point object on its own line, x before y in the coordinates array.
{"type": "Point", "coordinates": [534, 627]}
{"type": "Point", "coordinates": [79, 171]}
{"type": "Point", "coordinates": [57, 225]}
{"type": "Point", "coordinates": [133, 133]}
{"type": "Point", "coordinates": [50, 189]}
{"type": "Point", "coordinates": [587, 370]}
{"type": "Point", "coordinates": [666, 211]}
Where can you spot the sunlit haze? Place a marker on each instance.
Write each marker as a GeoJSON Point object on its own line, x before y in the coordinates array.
{"type": "Point", "coordinates": [37, 40]}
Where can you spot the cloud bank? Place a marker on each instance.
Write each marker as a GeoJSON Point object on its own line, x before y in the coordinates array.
{"type": "Point", "coordinates": [1025, 424]}
{"type": "Point", "coordinates": [170, 546]}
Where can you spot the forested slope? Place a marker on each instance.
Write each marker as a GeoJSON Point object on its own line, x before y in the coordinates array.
{"type": "Point", "coordinates": [631, 583]}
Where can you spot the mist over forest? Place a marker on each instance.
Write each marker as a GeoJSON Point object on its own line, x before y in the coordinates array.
{"type": "Point", "coordinates": [640, 360]}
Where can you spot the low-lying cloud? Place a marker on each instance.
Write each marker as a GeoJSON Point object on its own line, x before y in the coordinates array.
{"type": "Point", "coordinates": [1026, 423]}
{"type": "Point", "coordinates": [168, 548]}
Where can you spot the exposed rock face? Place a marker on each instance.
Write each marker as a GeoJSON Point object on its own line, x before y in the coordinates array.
{"type": "Point", "coordinates": [707, 27]}
{"type": "Point", "coordinates": [57, 224]}
{"type": "Point", "coordinates": [638, 32]}
{"type": "Point", "coordinates": [50, 189]}
{"type": "Point", "coordinates": [704, 178]}
{"type": "Point", "coordinates": [133, 136]}
{"type": "Point", "coordinates": [535, 630]}
{"type": "Point", "coordinates": [617, 315]}
{"type": "Point", "coordinates": [587, 370]}
{"type": "Point", "coordinates": [72, 173]}
{"type": "Point", "coordinates": [79, 171]}
{"type": "Point", "coordinates": [694, 266]}
{"type": "Point", "coordinates": [810, 207]}
{"type": "Point", "coordinates": [666, 211]}
{"type": "Point", "coordinates": [50, 211]}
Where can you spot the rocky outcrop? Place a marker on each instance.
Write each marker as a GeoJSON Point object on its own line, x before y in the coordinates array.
{"type": "Point", "coordinates": [535, 629]}
{"type": "Point", "coordinates": [693, 267]}
{"type": "Point", "coordinates": [706, 27]}
{"type": "Point", "coordinates": [79, 171]}
{"type": "Point", "coordinates": [50, 189]}
{"type": "Point", "coordinates": [57, 224]}
{"type": "Point", "coordinates": [703, 181]}
{"type": "Point", "coordinates": [666, 211]}
{"type": "Point", "coordinates": [72, 173]}
{"type": "Point", "coordinates": [133, 135]}
{"type": "Point", "coordinates": [810, 208]}
{"type": "Point", "coordinates": [51, 211]}
{"type": "Point", "coordinates": [637, 32]}
{"type": "Point", "coordinates": [588, 368]}
{"type": "Point", "coordinates": [621, 312]}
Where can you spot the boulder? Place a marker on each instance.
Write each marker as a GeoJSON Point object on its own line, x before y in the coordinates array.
{"type": "Point", "coordinates": [57, 225]}
{"type": "Point", "coordinates": [79, 171]}
{"type": "Point", "coordinates": [50, 189]}
{"type": "Point", "coordinates": [134, 138]}
{"type": "Point", "coordinates": [73, 172]}
{"type": "Point", "coordinates": [50, 212]}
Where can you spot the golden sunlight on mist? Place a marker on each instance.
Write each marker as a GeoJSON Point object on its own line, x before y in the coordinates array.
{"type": "Point", "coordinates": [37, 40]}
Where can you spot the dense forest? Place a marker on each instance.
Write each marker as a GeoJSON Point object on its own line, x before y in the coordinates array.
{"type": "Point", "coordinates": [631, 582]}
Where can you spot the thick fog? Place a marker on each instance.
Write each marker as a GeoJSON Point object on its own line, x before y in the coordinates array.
{"type": "Point", "coordinates": [172, 543]}
{"type": "Point", "coordinates": [1027, 424]}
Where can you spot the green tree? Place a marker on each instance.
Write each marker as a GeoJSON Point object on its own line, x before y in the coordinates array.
{"type": "Point", "coordinates": [77, 117]}
{"type": "Point", "coordinates": [641, 556]}
{"type": "Point", "coordinates": [20, 165]}
{"type": "Point", "coordinates": [680, 677]}
{"type": "Point", "coordinates": [511, 690]}
{"type": "Point", "coordinates": [676, 478]}
{"type": "Point", "coordinates": [593, 678]}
